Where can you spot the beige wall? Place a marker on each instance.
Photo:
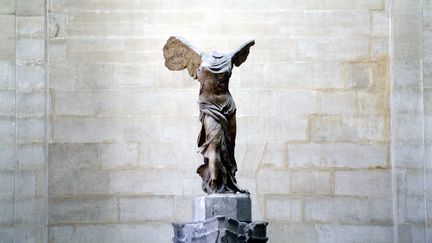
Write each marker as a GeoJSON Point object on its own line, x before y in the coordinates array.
{"type": "Point", "coordinates": [313, 117]}
{"type": "Point", "coordinates": [331, 98]}
{"type": "Point", "coordinates": [23, 122]}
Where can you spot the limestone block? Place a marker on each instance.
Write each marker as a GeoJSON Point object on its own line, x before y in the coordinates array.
{"type": "Point", "coordinates": [23, 232]}
{"type": "Point", "coordinates": [427, 101]}
{"type": "Point", "coordinates": [57, 51]}
{"type": "Point", "coordinates": [57, 25]}
{"type": "Point", "coordinates": [407, 128]}
{"type": "Point", "coordinates": [348, 210]}
{"type": "Point", "coordinates": [6, 183]}
{"type": "Point", "coordinates": [355, 129]}
{"type": "Point", "coordinates": [112, 233]}
{"type": "Point", "coordinates": [408, 155]}
{"type": "Point", "coordinates": [408, 6]}
{"type": "Point", "coordinates": [8, 6]}
{"type": "Point", "coordinates": [279, 232]}
{"type": "Point", "coordinates": [30, 26]}
{"type": "Point", "coordinates": [7, 74]}
{"type": "Point", "coordinates": [325, 23]}
{"type": "Point", "coordinates": [415, 209]}
{"type": "Point", "coordinates": [61, 182]}
{"type": "Point", "coordinates": [334, 103]}
{"type": "Point", "coordinates": [30, 183]}
{"type": "Point", "coordinates": [7, 48]}
{"type": "Point", "coordinates": [167, 155]}
{"type": "Point", "coordinates": [251, 76]}
{"type": "Point", "coordinates": [82, 210]}
{"type": "Point", "coordinates": [31, 156]}
{"type": "Point", "coordinates": [29, 8]}
{"type": "Point", "coordinates": [147, 76]}
{"type": "Point", "coordinates": [62, 76]}
{"type": "Point", "coordinates": [7, 25]}
{"type": "Point", "coordinates": [380, 23]}
{"type": "Point", "coordinates": [303, 75]}
{"type": "Point", "coordinates": [310, 182]}
{"type": "Point", "coordinates": [296, 102]}
{"type": "Point", "coordinates": [284, 209]}
{"type": "Point", "coordinates": [61, 233]}
{"type": "Point", "coordinates": [75, 103]}
{"type": "Point", "coordinates": [7, 155]}
{"type": "Point", "coordinates": [31, 130]}
{"type": "Point", "coordinates": [73, 182]}
{"type": "Point", "coordinates": [182, 207]}
{"type": "Point", "coordinates": [31, 104]}
{"type": "Point", "coordinates": [6, 211]}
{"type": "Point", "coordinates": [100, 129]}
{"type": "Point", "coordinates": [363, 183]}
{"type": "Point", "coordinates": [359, 75]}
{"type": "Point", "coordinates": [7, 129]}
{"type": "Point", "coordinates": [246, 124]}
{"type": "Point", "coordinates": [407, 73]}
{"type": "Point", "coordinates": [407, 101]}
{"type": "Point", "coordinates": [30, 76]}
{"type": "Point", "coordinates": [347, 233]}
{"type": "Point", "coordinates": [284, 128]}
{"type": "Point", "coordinates": [132, 181]}
{"type": "Point", "coordinates": [73, 156]}
{"type": "Point", "coordinates": [248, 104]}
{"type": "Point", "coordinates": [7, 234]}
{"type": "Point", "coordinates": [235, 206]}
{"type": "Point", "coordinates": [337, 155]}
{"type": "Point", "coordinates": [371, 103]}
{"type": "Point", "coordinates": [248, 158]}
{"type": "Point", "coordinates": [30, 49]}
{"type": "Point", "coordinates": [7, 102]}
{"type": "Point", "coordinates": [119, 155]}
{"type": "Point", "coordinates": [147, 208]}
{"type": "Point", "coordinates": [379, 47]}
{"type": "Point", "coordinates": [30, 211]}
{"type": "Point", "coordinates": [91, 182]}
{"type": "Point", "coordinates": [326, 128]}
{"type": "Point", "coordinates": [275, 155]}
{"type": "Point", "coordinates": [331, 49]}
{"type": "Point", "coordinates": [272, 181]}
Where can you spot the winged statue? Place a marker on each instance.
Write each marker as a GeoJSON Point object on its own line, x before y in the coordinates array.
{"type": "Point", "coordinates": [216, 140]}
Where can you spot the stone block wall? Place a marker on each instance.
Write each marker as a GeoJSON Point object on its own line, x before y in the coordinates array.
{"type": "Point", "coordinates": [24, 123]}
{"type": "Point", "coordinates": [333, 118]}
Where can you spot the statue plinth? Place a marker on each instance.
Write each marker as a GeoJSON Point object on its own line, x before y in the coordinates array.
{"type": "Point", "coordinates": [234, 206]}
{"type": "Point", "coordinates": [221, 218]}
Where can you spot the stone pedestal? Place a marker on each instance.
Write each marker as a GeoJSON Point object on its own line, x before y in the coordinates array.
{"type": "Point", "coordinates": [221, 218]}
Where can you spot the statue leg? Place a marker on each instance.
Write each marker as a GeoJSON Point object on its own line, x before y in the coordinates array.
{"type": "Point", "coordinates": [218, 173]}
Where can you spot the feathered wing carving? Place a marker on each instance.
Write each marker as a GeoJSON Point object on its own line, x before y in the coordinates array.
{"type": "Point", "coordinates": [180, 54]}
{"type": "Point", "coordinates": [240, 55]}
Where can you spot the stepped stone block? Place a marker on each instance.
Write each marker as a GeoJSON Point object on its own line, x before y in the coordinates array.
{"type": "Point", "coordinates": [221, 218]}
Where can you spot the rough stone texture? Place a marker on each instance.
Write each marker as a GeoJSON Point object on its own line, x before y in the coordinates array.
{"type": "Point", "coordinates": [322, 67]}
{"type": "Point", "coordinates": [235, 206]}
{"type": "Point", "coordinates": [220, 229]}
{"type": "Point", "coordinates": [221, 218]}
{"type": "Point", "coordinates": [410, 116]}
{"type": "Point", "coordinates": [23, 122]}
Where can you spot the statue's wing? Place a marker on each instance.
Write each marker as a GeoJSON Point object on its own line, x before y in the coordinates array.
{"type": "Point", "coordinates": [180, 54]}
{"type": "Point", "coordinates": [240, 55]}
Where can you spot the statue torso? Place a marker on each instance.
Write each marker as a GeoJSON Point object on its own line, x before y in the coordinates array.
{"type": "Point", "coordinates": [214, 87]}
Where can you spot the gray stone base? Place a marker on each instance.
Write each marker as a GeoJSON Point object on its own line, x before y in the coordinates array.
{"type": "Point", "coordinates": [235, 206]}
{"type": "Point", "coordinates": [220, 229]}
{"type": "Point", "coordinates": [221, 218]}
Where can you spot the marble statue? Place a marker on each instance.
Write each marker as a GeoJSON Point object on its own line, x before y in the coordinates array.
{"type": "Point", "coordinates": [216, 140]}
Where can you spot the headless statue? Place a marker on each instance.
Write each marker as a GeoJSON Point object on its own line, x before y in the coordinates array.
{"type": "Point", "coordinates": [216, 139]}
